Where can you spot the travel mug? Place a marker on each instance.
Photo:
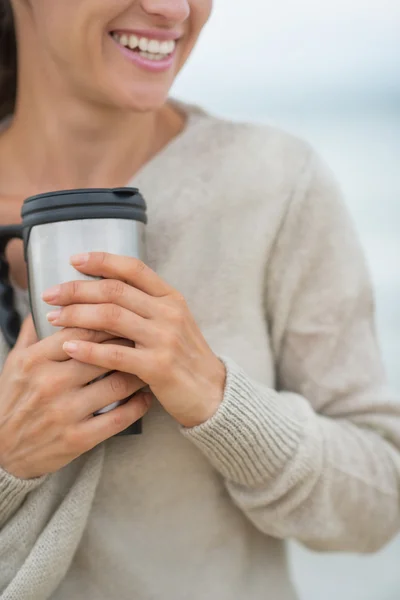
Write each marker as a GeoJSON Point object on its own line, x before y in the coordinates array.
{"type": "Point", "coordinates": [54, 227]}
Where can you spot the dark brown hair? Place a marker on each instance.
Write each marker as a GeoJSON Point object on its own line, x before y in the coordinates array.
{"type": "Point", "coordinates": [8, 59]}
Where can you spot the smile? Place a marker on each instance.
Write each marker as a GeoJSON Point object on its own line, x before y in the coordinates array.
{"type": "Point", "coordinates": [148, 49]}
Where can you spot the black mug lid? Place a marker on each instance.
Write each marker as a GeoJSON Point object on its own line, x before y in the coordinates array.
{"type": "Point", "coordinates": [91, 203]}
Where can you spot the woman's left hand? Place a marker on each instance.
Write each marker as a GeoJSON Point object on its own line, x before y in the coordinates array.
{"type": "Point", "coordinates": [133, 302]}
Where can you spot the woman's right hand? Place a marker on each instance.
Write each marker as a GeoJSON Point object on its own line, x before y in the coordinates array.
{"type": "Point", "coordinates": [46, 406]}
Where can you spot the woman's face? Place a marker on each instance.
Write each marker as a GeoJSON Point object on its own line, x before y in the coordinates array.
{"type": "Point", "coordinates": [122, 53]}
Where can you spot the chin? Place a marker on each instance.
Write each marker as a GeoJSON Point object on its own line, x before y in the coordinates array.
{"type": "Point", "coordinates": [141, 100]}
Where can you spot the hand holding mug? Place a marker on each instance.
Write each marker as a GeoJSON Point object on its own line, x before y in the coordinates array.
{"type": "Point", "coordinates": [170, 354]}
{"type": "Point", "coordinates": [46, 406]}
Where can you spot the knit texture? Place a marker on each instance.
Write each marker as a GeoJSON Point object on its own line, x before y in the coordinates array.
{"type": "Point", "coordinates": [249, 225]}
{"type": "Point", "coordinates": [256, 441]}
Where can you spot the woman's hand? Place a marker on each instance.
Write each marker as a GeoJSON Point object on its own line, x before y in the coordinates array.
{"type": "Point", "coordinates": [132, 301]}
{"type": "Point", "coordinates": [46, 406]}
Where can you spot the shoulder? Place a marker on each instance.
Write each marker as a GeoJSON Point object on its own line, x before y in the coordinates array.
{"type": "Point", "coordinates": [244, 150]}
{"type": "Point", "coordinates": [260, 167]}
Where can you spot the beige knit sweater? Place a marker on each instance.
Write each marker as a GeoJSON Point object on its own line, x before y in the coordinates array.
{"type": "Point", "coordinates": [248, 224]}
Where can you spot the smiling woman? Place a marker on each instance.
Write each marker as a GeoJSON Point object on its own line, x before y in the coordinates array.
{"type": "Point", "coordinates": [246, 342]}
{"type": "Point", "coordinates": [71, 52]}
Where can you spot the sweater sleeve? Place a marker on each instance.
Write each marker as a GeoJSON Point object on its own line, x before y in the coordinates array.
{"type": "Point", "coordinates": [13, 492]}
{"type": "Point", "coordinates": [318, 459]}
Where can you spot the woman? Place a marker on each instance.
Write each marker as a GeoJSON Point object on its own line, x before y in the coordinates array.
{"type": "Point", "coordinates": [253, 322]}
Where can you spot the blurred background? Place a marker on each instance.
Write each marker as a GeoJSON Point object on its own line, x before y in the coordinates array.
{"type": "Point", "coordinates": [329, 72]}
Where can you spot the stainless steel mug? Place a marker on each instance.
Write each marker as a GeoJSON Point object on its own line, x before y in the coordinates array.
{"type": "Point", "coordinates": [54, 227]}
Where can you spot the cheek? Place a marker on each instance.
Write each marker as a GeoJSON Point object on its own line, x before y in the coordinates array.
{"type": "Point", "coordinates": [73, 24]}
{"type": "Point", "coordinates": [200, 11]}
{"type": "Point", "coordinates": [56, 17]}
{"type": "Point", "coordinates": [95, 19]}
{"type": "Point", "coordinates": [58, 27]}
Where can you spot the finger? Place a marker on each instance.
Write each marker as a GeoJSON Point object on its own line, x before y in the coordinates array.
{"type": "Point", "coordinates": [80, 373]}
{"type": "Point", "coordinates": [105, 317]}
{"type": "Point", "coordinates": [27, 335]}
{"type": "Point", "coordinates": [75, 374]}
{"type": "Point", "coordinates": [52, 346]}
{"type": "Point", "coordinates": [125, 268]}
{"type": "Point", "coordinates": [100, 394]}
{"type": "Point", "coordinates": [108, 356]}
{"type": "Point", "coordinates": [103, 291]}
{"type": "Point", "coordinates": [104, 426]}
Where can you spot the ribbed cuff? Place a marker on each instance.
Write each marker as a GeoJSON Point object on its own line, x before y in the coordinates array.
{"type": "Point", "coordinates": [13, 492]}
{"type": "Point", "coordinates": [253, 434]}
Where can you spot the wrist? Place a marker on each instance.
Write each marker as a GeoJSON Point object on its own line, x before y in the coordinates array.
{"type": "Point", "coordinates": [20, 471]}
{"type": "Point", "coordinates": [210, 398]}
{"type": "Point", "coordinates": [15, 472]}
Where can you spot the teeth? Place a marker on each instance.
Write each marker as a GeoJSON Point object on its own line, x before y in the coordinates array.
{"type": "Point", "coordinates": [133, 42]}
{"type": "Point", "coordinates": [150, 56]}
{"type": "Point", "coordinates": [153, 49]}
{"type": "Point", "coordinates": [124, 40]}
{"type": "Point", "coordinates": [143, 44]}
{"type": "Point", "coordinates": [165, 48]}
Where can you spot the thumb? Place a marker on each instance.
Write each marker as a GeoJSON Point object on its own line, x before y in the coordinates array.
{"type": "Point", "coordinates": [27, 335]}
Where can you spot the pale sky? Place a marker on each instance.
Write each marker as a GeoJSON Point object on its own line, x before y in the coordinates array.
{"type": "Point", "coordinates": [295, 45]}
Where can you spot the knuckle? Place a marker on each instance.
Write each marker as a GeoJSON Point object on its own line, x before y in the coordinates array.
{"type": "Point", "coordinates": [119, 385]}
{"type": "Point", "coordinates": [74, 289]}
{"type": "Point", "coordinates": [113, 289]}
{"type": "Point", "coordinates": [25, 362]}
{"type": "Point", "coordinates": [163, 362]}
{"type": "Point", "coordinates": [86, 335]}
{"type": "Point", "coordinates": [173, 313]}
{"type": "Point", "coordinates": [179, 300]}
{"type": "Point", "coordinates": [77, 333]}
{"type": "Point", "coordinates": [118, 420]}
{"type": "Point", "coordinates": [177, 316]}
{"type": "Point", "coordinates": [116, 355]}
{"type": "Point", "coordinates": [139, 265]}
{"type": "Point", "coordinates": [44, 385]}
{"type": "Point", "coordinates": [175, 309]}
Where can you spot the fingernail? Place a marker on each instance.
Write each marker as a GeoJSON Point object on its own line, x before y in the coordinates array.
{"type": "Point", "coordinates": [70, 346]}
{"type": "Point", "coordinates": [53, 316]}
{"type": "Point", "coordinates": [79, 259]}
{"type": "Point", "coordinates": [51, 293]}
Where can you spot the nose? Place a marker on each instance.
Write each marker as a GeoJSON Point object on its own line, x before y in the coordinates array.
{"type": "Point", "coordinates": [176, 11]}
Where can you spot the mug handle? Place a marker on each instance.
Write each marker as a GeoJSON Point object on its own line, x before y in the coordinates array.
{"type": "Point", "coordinates": [10, 321]}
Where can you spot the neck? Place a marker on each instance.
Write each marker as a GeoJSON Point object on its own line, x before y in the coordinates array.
{"type": "Point", "coordinates": [52, 144]}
